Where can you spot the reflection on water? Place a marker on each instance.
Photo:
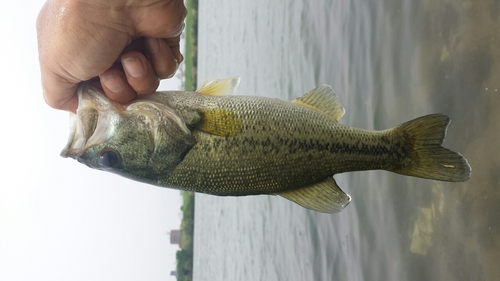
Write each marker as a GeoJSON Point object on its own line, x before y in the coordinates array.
{"type": "Point", "coordinates": [389, 61]}
{"type": "Point", "coordinates": [461, 53]}
{"type": "Point", "coordinates": [426, 216]}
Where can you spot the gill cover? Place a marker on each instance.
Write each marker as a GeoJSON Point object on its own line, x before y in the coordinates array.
{"type": "Point", "coordinates": [172, 138]}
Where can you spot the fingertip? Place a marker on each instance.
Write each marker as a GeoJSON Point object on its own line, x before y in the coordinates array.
{"type": "Point", "coordinates": [175, 69]}
{"type": "Point", "coordinates": [139, 73]}
{"type": "Point", "coordinates": [180, 57]}
{"type": "Point", "coordinates": [163, 57]}
{"type": "Point", "coordinates": [115, 86]}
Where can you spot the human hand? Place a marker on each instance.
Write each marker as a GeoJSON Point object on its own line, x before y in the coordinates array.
{"type": "Point", "coordinates": [127, 45]}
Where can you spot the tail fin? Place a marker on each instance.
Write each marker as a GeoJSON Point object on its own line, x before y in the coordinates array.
{"type": "Point", "coordinates": [428, 158]}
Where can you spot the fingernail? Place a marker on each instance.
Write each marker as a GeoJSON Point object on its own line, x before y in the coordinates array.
{"type": "Point", "coordinates": [113, 82]}
{"type": "Point", "coordinates": [133, 67]}
{"type": "Point", "coordinates": [176, 68]}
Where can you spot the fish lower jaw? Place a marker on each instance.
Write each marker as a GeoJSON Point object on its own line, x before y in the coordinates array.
{"type": "Point", "coordinates": [71, 153]}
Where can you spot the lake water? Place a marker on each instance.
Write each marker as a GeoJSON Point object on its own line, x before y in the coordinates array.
{"type": "Point", "coordinates": [389, 61]}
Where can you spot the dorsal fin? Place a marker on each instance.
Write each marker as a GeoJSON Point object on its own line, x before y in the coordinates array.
{"type": "Point", "coordinates": [325, 197]}
{"type": "Point", "coordinates": [220, 87]}
{"type": "Point", "coordinates": [323, 99]}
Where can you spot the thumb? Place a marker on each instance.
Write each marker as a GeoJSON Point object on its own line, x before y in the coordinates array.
{"type": "Point", "coordinates": [59, 93]}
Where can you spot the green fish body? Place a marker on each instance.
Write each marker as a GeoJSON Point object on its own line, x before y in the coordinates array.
{"type": "Point", "coordinates": [227, 145]}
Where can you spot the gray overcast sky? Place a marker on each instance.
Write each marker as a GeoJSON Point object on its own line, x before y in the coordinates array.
{"type": "Point", "coordinates": [60, 220]}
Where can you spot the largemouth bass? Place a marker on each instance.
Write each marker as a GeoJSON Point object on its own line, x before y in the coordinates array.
{"type": "Point", "coordinates": [213, 142]}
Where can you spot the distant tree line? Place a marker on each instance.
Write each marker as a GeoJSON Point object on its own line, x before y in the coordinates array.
{"type": "Point", "coordinates": [185, 255]}
{"type": "Point", "coordinates": [191, 46]}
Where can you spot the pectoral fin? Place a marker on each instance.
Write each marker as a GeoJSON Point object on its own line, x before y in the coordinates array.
{"type": "Point", "coordinates": [323, 99]}
{"type": "Point", "coordinates": [220, 87]}
{"type": "Point", "coordinates": [219, 122]}
{"type": "Point", "coordinates": [325, 197]}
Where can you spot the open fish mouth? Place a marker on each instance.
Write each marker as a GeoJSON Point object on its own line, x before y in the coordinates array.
{"type": "Point", "coordinates": [89, 126]}
{"type": "Point", "coordinates": [80, 132]}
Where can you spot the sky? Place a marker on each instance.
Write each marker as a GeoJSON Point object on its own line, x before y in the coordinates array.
{"type": "Point", "coordinates": [60, 220]}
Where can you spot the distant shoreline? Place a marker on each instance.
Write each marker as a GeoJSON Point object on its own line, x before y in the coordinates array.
{"type": "Point", "coordinates": [185, 255]}
{"type": "Point", "coordinates": [191, 46]}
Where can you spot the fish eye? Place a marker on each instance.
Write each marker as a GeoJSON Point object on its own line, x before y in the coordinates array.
{"type": "Point", "coordinates": [109, 158]}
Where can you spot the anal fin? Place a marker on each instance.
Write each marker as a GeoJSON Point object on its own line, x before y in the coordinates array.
{"type": "Point", "coordinates": [325, 197]}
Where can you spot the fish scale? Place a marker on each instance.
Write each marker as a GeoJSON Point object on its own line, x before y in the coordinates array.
{"type": "Point", "coordinates": [301, 146]}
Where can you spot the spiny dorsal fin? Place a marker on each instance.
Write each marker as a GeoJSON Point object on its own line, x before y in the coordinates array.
{"type": "Point", "coordinates": [325, 197]}
{"type": "Point", "coordinates": [220, 87]}
{"type": "Point", "coordinates": [323, 99]}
